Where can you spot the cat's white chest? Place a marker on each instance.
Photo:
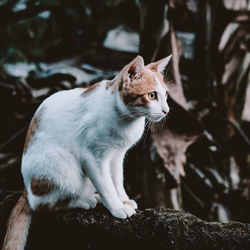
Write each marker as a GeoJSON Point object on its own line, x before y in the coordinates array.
{"type": "Point", "coordinates": [135, 130]}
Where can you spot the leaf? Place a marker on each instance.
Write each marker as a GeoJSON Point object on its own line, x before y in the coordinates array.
{"type": "Point", "coordinates": [122, 39]}
{"type": "Point", "coordinates": [19, 69]}
{"type": "Point", "coordinates": [173, 140]}
{"type": "Point", "coordinates": [236, 5]}
{"type": "Point", "coordinates": [227, 35]}
{"type": "Point", "coordinates": [246, 110]}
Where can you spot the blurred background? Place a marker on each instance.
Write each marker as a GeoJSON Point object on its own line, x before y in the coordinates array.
{"type": "Point", "coordinates": [198, 159]}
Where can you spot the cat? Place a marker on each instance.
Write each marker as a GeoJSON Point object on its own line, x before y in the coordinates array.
{"type": "Point", "coordinates": [77, 140]}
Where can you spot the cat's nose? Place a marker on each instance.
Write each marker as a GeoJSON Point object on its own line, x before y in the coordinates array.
{"type": "Point", "coordinates": [165, 109]}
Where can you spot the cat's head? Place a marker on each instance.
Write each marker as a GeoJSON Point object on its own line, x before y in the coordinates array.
{"type": "Point", "coordinates": [143, 89]}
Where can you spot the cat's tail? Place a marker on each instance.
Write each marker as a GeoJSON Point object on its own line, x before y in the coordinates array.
{"type": "Point", "coordinates": [18, 225]}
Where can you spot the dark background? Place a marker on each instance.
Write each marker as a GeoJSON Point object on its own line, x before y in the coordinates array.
{"type": "Point", "coordinates": [198, 159]}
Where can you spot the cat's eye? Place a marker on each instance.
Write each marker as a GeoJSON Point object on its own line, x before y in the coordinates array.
{"type": "Point", "coordinates": [152, 96]}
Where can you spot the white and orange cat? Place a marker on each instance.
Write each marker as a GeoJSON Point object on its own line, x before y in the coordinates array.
{"type": "Point", "coordinates": [76, 143]}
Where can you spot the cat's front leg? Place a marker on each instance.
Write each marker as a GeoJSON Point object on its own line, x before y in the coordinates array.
{"type": "Point", "coordinates": [116, 169]}
{"type": "Point", "coordinates": [100, 176]}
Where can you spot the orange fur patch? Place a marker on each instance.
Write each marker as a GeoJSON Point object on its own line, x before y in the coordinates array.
{"type": "Point", "coordinates": [110, 83]}
{"type": "Point", "coordinates": [34, 125]}
{"type": "Point", "coordinates": [135, 100]}
{"type": "Point", "coordinates": [145, 84]}
{"type": "Point", "coordinates": [18, 225]}
{"type": "Point", "coordinates": [153, 68]}
{"type": "Point", "coordinates": [41, 186]}
{"type": "Point", "coordinates": [128, 203]}
{"type": "Point", "coordinates": [60, 205]}
{"type": "Point", "coordinates": [115, 84]}
{"type": "Point", "coordinates": [90, 89]}
{"type": "Point", "coordinates": [135, 93]}
{"type": "Point", "coordinates": [43, 207]}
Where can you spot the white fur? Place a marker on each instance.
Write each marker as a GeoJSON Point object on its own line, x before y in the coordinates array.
{"type": "Point", "coordinates": [80, 145]}
{"type": "Point", "coordinates": [79, 134]}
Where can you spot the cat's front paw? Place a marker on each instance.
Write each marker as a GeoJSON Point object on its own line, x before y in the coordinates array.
{"type": "Point", "coordinates": [131, 203]}
{"type": "Point", "coordinates": [125, 200]}
{"type": "Point", "coordinates": [89, 202]}
{"type": "Point", "coordinates": [123, 212]}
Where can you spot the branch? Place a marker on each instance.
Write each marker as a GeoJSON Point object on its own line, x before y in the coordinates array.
{"type": "Point", "coordinates": [151, 229]}
{"type": "Point", "coordinates": [148, 229]}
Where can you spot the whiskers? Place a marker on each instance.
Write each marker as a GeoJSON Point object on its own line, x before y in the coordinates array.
{"type": "Point", "coordinates": [163, 123]}
{"type": "Point", "coordinates": [153, 126]}
{"type": "Point", "coordinates": [148, 126]}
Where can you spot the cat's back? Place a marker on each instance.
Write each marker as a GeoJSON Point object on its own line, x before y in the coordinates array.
{"type": "Point", "coordinates": [54, 117]}
{"type": "Point", "coordinates": [62, 110]}
{"type": "Point", "coordinates": [63, 100]}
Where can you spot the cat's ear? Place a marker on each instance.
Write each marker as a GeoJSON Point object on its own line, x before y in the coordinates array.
{"type": "Point", "coordinates": [160, 65]}
{"type": "Point", "coordinates": [133, 70]}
